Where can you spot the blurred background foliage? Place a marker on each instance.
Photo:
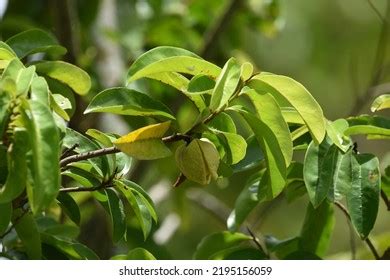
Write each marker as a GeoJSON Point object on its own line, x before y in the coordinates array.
{"type": "Point", "coordinates": [337, 49]}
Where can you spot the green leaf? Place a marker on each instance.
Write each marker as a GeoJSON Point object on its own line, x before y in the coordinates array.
{"type": "Point", "coordinates": [253, 156]}
{"type": "Point", "coordinates": [35, 41]}
{"type": "Point", "coordinates": [85, 176]}
{"type": "Point", "coordinates": [291, 115]}
{"type": "Point", "coordinates": [24, 79]}
{"type": "Point", "coordinates": [5, 110]}
{"type": "Point", "coordinates": [145, 143]}
{"type": "Point", "coordinates": [59, 104]}
{"type": "Point", "coordinates": [363, 198]}
{"type": "Point", "coordinates": [336, 130]}
{"type": "Point", "coordinates": [226, 85]}
{"type": "Point", "coordinates": [6, 53]}
{"type": "Point", "coordinates": [169, 59]}
{"type": "Point", "coordinates": [6, 214]}
{"type": "Point", "coordinates": [365, 124]}
{"type": "Point", "coordinates": [76, 78]}
{"type": "Point", "coordinates": [298, 96]}
{"type": "Point", "coordinates": [135, 254]}
{"type": "Point", "coordinates": [117, 214]}
{"type": "Point", "coordinates": [13, 69]}
{"type": "Point", "coordinates": [40, 90]}
{"type": "Point", "coordinates": [216, 242]}
{"type": "Point", "coordinates": [268, 110]}
{"type": "Point", "coordinates": [139, 207]}
{"type": "Point", "coordinates": [246, 71]}
{"type": "Point", "coordinates": [381, 102]}
{"type": "Point", "coordinates": [124, 101]}
{"type": "Point", "coordinates": [17, 167]}
{"type": "Point", "coordinates": [317, 229]}
{"type": "Point", "coordinates": [73, 137]}
{"type": "Point", "coordinates": [326, 172]}
{"type": "Point", "coordinates": [301, 255]}
{"type": "Point", "coordinates": [26, 228]}
{"type": "Point", "coordinates": [200, 84]}
{"type": "Point", "coordinates": [70, 248]}
{"type": "Point", "coordinates": [44, 163]}
{"type": "Point", "coordinates": [274, 180]}
{"type": "Point", "coordinates": [385, 181]}
{"type": "Point", "coordinates": [244, 253]}
{"type": "Point", "coordinates": [234, 145]}
{"type": "Point", "coordinates": [222, 122]}
{"type": "Point", "coordinates": [198, 161]}
{"type": "Point", "coordinates": [245, 203]}
{"type": "Point", "coordinates": [282, 248]}
{"type": "Point", "coordinates": [69, 206]}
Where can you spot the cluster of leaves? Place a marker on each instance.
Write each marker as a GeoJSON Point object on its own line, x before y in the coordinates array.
{"type": "Point", "coordinates": [246, 120]}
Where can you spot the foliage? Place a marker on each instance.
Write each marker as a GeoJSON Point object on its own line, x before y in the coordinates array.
{"type": "Point", "coordinates": [246, 122]}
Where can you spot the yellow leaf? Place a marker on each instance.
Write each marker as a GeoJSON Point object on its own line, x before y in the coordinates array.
{"type": "Point", "coordinates": [145, 143]}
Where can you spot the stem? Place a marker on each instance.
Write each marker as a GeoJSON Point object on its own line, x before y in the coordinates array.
{"type": "Point", "coordinates": [385, 199]}
{"type": "Point", "coordinates": [367, 239]}
{"type": "Point", "coordinates": [83, 189]}
{"type": "Point", "coordinates": [255, 239]}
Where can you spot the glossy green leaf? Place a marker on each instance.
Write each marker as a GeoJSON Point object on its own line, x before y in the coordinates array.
{"type": "Point", "coordinates": [222, 122]}
{"type": "Point", "coordinates": [235, 147]}
{"type": "Point", "coordinates": [268, 110]}
{"type": "Point", "coordinates": [35, 41]}
{"type": "Point", "coordinates": [69, 206]}
{"type": "Point", "coordinates": [44, 164]}
{"type": "Point", "coordinates": [363, 198]}
{"type": "Point", "coordinates": [117, 214]}
{"type": "Point", "coordinates": [246, 71]}
{"type": "Point", "coordinates": [380, 103]}
{"type": "Point", "coordinates": [226, 85]}
{"type": "Point", "coordinates": [76, 78]}
{"type": "Point", "coordinates": [27, 230]}
{"type": "Point", "coordinates": [169, 59]}
{"type": "Point", "coordinates": [253, 156]}
{"type": "Point", "coordinates": [73, 137]}
{"type": "Point", "coordinates": [17, 167]}
{"type": "Point", "coordinates": [104, 141]}
{"type": "Point", "coordinates": [59, 104]}
{"type": "Point", "coordinates": [198, 161]}
{"type": "Point", "coordinates": [291, 115]}
{"type": "Point", "coordinates": [216, 242]}
{"type": "Point", "coordinates": [13, 69]}
{"type": "Point", "coordinates": [6, 214]}
{"type": "Point", "coordinates": [145, 143]}
{"type": "Point", "coordinates": [24, 79]}
{"type": "Point", "coordinates": [326, 172]}
{"type": "Point", "coordinates": [282, 248]}
{"type": "Point", "coordinates": [274, 180]}
{"type": "Point", "coordinates": [366, 124]}
{"type": "Point", "coordinates": [335, 130]}
{"type": "Point", "coordinates": [298, 96]}
{"type": "Point", "coordinates": [139, 207]}
{"type": "Point", "coordinates": [135, 254]}
{"type": "Point", "coordinates": [245, 203]}
{"type": "Point", "coordinates": [200, 84]}
{"type": "Point", "coordinates": [40, 91]}
{"type": "Point", "coordinates": [124, 101]}
{"type": "Point", "coordinates": [6, 52]}
{"type": "Point", "coordinates": [317, 229]}
{"type": "Point", "coordinates": [72, 249]}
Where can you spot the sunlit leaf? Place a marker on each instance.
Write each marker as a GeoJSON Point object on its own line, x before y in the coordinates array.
{"type": "Point", "coordinates": [145, 143]}
{"type": "Point", "coordinates": [298, 96]}
{"type": "Point", "coordinates": [381, 102]}
{"type": "Point", "coordinates": [366, 124]}
{"type": "Point", "coordinates": [76, 78]}
{"type": "Point", "coordinates": [124, 101]}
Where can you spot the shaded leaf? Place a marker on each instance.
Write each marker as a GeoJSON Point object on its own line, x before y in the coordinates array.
{"type": "Point", "coordinates": [363, 198]}
{"type": "Point", "coordinates": [117, 214]}
{"type": "Point", "coordinates": [135, 254]}
{"type": "Point", "coordinates": [6, 214]}
{"type": "Point", "coordinates": [69, 206]}
{"type": "Point", "coordinates": [366, 124]}
{"type": "Point", "coordinates": [216, 242]}
{"type": "Point", "coordinates": [200, 84]}
{"type": "Point", "coordinates": [35, 41]}
{"type": "Point", "coordinates": [317, 229]}
{"type": "Point", "coordinates": [335, 131]}
{"type": "Point", "coordinates": [125, 101]}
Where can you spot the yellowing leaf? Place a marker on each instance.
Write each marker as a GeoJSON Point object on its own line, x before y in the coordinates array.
{"type": "Point", "coordinates": [145, 143]}
{"type": "Point", "coordinates": [199, 161]}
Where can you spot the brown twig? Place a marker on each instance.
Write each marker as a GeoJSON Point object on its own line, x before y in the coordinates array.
{"type": "Point", "coordinates": [255, 239]}
{"type": "Point", "coordinates": [367, 240]}
{"type": "Point", "coordinates": [88, 155]}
